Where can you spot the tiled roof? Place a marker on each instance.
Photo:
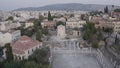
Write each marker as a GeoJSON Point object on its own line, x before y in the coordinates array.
{"type": "Point", "coordinates": [24, 43]}
{"type": "Point", "coordinates": [16, 51]}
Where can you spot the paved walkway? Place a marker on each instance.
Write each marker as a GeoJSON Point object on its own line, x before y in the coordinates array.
{"type": "Point", "coordinates": [73, 58]}
{"type": "Point", "coordinates": [70, 56]}
{"type": "Point", "coordinates": [75, 61]}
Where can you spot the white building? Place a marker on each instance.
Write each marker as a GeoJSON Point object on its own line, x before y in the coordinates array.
{"type": "Point", "coordinates": [76, 33]}
{"type": "Point", "coordinates": [7, 25]}
{"type": "Point", "coordinates": [74, 24]}
{"type": "Point", "coordinates": [15, 34]}
{"type": "Point", "coordinates": [117, 27]}
{"type": "Point", "coordinates": [61, 31]}
{"type": "Point", "coordinates": [48, 24]}
{"type": "Point", "coordinates": [62, 19]}
{"type": "Point", "coordinates": [24, 47]}
{"type": "Point", "coordinates": [29, 24]}
{"type": "Point", "coordinates": [8, 37]}
{"type": "Point", "coordinates": [5, 38]}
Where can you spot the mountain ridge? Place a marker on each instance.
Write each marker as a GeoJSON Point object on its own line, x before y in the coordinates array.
{"type": "Point", "coordinates": [68, 6]}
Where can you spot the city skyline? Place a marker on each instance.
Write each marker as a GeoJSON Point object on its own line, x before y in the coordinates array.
{"type": "Point", "coordinates": [14, 4]}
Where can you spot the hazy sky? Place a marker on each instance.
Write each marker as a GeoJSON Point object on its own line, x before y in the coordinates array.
{"type": "Point", "coordinates": [13, 4]}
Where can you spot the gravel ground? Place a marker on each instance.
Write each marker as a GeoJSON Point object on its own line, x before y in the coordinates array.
{"type": "Point", "coordinates": [72, 60]}
{"type": "Point", "coordinates": [69, 57]}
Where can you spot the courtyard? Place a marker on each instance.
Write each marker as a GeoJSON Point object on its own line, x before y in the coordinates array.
{"type": "Point", "coordinates": [69, 55]}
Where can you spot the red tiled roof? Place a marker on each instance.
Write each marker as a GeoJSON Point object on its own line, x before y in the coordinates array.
{"type": "Point", "coordinates": [24, 43]}
{"type": "Point", "coordinates": [16, 51]}
{"type": "Point", "coordinates": [23, 38]}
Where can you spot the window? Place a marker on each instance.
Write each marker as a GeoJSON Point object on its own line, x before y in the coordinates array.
{"type": "Point", "coordinates": [22, 57]}
{"type": "Point", "coordinates": [19, 58]}
{"type": "Point", "coordinates": [32, 50]}
{"type": "Point", "coordinates": [39, 46]}
{"type": "Point", "coordinates": [28, 51]}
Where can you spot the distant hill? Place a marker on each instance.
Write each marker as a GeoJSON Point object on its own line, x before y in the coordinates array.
{"type": "Point", "coordinates": [69, 6]}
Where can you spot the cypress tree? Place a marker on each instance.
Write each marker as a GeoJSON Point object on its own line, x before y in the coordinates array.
{"type": "Point", "coordinates": [9, 54]}
{"type": "Point", "coordinates": [49, 16]}
{"type": "Point", "coordinates": [106, 9]}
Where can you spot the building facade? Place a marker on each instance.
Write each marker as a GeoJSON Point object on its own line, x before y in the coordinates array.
{"type": "Point", "coordinates": [8, 37]}
{"type": "Point", "coordinates": [48, 24]}
{"type": "Point", "coordinates": [29, 24]}
{"type": "Point", "coordinates": [24, 47]}
{"type": "Point", "coordinates": [117, 27]}
{"type": "Point", "coordinates": [61, 31]}
{"type": "Point", "coordinates": [74, 24]}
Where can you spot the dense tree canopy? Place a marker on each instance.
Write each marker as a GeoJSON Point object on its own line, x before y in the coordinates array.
{"type": "Point", "coordinates": [31, 64]}
{"type": "Point", "coordinates": [37, 25]}
{"type": "Point", "coordinates": [45, 31]}
{"type": "Point", "coordinates": [83, 17]}
{"type": "Point", "coordinates": [9, 54]}
{"type": "Point", "coordinates": [92, 13]}
{"type": "Point", "coordinates": [91, 34]}
{"type": "Point", "coordinates": [38, 29]}
{"type": "Point", "coordinates": [108, 30]}
{"type": "Point", "coordinates": [11, 64]}
{"type": "Point", "coordinates": [59, 23]}
{"type": "Point", "coordinates": [26, 31]}
{"type": "Point", "coordinates": [117, 10]}
{"type": "Point", "coordinates": [41, 55]}
{"type": "Point", "coordinates": [38, 35]}
{"type": "Point", "coordinates": [100, 35]}
{"type": "Point", "coordinates": [89, 31]}
{"type": "Point", "coordinates": [95, 45]}
{"type": "Point", "coordinates": [41, 18]}
{"type": "Point", "coordinates": [39, 59]}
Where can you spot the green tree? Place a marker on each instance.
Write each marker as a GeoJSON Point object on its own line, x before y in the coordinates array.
{"type": "Point", "coordinates": [31, 19]}
{"type": "Point", "coordinates": [76, 28]}
{"type": "Point", "coordinates": [9, 18]}
{"type": "Point", "coordinates": [11, 64]}
{"type": "Point", "coordinates": [117, 10]}
{"type": "Point", "coordinates": [41, 18]}
{"type": "Point", "coordinates": [90, 27]}
{"type": "Point", "coordinates": [116, 40]}
{"type": "Point", "coordinates": [38, 30]}
{"type": "Point", "coordinates": [108, 30]}
{"type": "Point", "coordinates": [59, 23]}
{"type": "Point", "coordinates": [45, 31]}
{"type": "Point", "coordinates": [2, 64]}
{"type": "Point", "coordinates": [86, 35]}
{"type": "Point", "coordinates": [37, 25]}
{"type": "Point", "coordinates": [83, 16]}
{"type": "Point", "coordinates": [38, 35]}
{"type": "Point", "coordinates": [92, 13]}
{"type": "Point", "coordinates": [9, 54]}
{"type": "Point", "coordinates": [41, 56]}
{"type": "Point", "coordinates": [49, 16]}
{"type": "Point", "coordinates": [26, 31]}
{"type": "Point", "coordinates": [90, 33]}
{"type": "Point", "coordinates": [106, 9]}
{"type": "Point", "coordinates": [95, 45]}
{"type": "Point", "coordinates": [100, 35]}
{"type": "Point", "coordinates": [31, 64]}
{"type": "Point", "coordinates": [113, 6]}
{"type": "Point", "coordinates": [71, 15]}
